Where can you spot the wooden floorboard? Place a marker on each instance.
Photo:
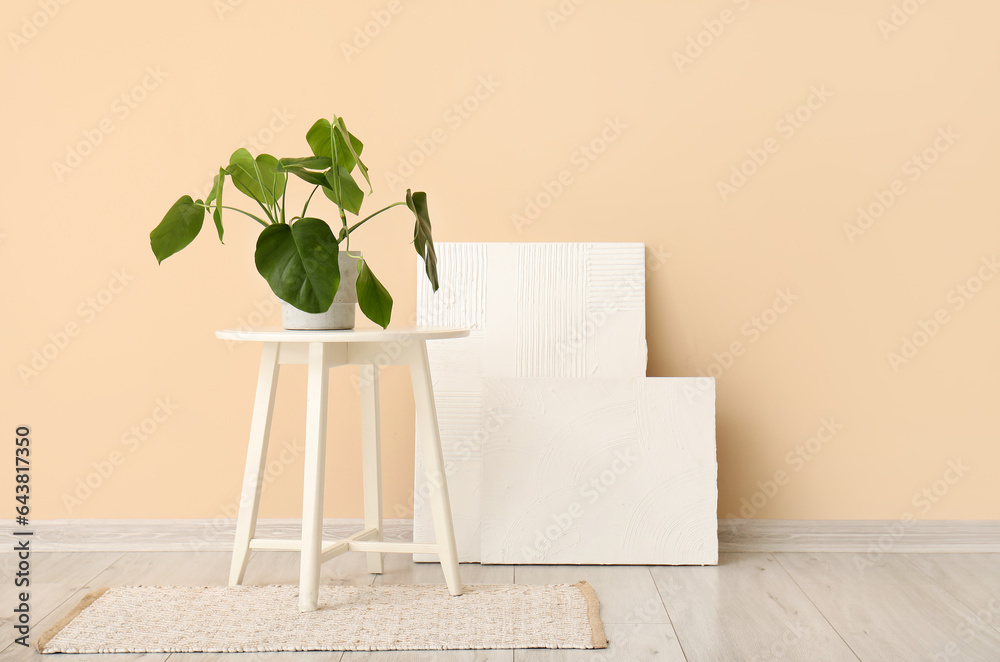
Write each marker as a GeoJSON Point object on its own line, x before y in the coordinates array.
{"type": "Point", "coordinates": [629, 642]}
{"type": "Point", "coordinates": [885, 609]}
{"type": "Point", "coordinates": [972, 578]}
{"type": "Point", "coordinates": [71, 568]}
{"type": "Point", "coordinates": [635, 621]}
{"type": "Point", "coordinates": [400, 569]}
{"type": "Point", "coordinates": [753, 606]}
{"type": "Point", "coordinates": [166, 569]}
{"type": "Point", "coordinates": [627, 594]}
{"type": "Point", "coordinates": [746, 608]}
{"type": "Point", "coordinates": [283, 568]}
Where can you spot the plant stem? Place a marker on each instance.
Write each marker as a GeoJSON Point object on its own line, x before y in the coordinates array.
{"type": "Point", "coordinates": [284, 192]}
{"type": "Point", "coordinates": [335, 169]}
{"type": "Point", "coordinates": [347, 238]}
{"type": "Point", "coordinates": [273, 205]}
{"type": "Point", "coordinates": [274, 187]}
{"type": "Point", "coordinates": [242, 212]}
{"type": "Point", "coordinates": [308, 200]}
{"type": "Point", "coordinates": [264, 209]}
{"type": "Point", "coordinates": [362, 221]}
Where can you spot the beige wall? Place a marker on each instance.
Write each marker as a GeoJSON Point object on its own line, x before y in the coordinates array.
{"type": "Point", "coordinates": [268, 69]}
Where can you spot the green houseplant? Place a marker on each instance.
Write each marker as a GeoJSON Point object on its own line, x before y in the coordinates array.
{"type": "Point", "coordinates": [300, 257]}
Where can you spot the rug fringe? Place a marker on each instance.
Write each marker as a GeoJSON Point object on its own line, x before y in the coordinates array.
{"type": "Point", "coordinates": [85, 602]}
{"type": "Point", "coordinates": [593, 614]}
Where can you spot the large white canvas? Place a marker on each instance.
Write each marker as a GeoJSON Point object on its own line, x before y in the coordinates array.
{"type": "Point", "coordinates": [600, 471]}
{"type": "Point", "coordinates": [557, 310]}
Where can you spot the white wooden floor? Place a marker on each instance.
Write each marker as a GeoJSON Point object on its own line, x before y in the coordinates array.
{"type": "Point", "coordinates": [808, 607]}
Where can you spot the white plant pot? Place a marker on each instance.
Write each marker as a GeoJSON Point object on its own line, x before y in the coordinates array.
{"type": "Point", "coordinates": [342, 310]}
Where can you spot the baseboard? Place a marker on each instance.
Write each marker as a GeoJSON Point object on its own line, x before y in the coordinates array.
{"type": "Point", "coordinates": [177, 535]}
{"type": "Point", "coordinates": [884, 536]}
{"type": "Point", "coordinates": [735, 535]}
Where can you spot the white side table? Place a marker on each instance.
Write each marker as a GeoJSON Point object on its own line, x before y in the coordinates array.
{"type": "Point", "coordinates": [322, 350]}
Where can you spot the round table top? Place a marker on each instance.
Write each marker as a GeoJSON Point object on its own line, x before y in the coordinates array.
{"type": "Point", "coordinates": [375, 334]}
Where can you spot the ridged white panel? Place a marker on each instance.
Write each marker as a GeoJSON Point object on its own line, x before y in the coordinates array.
{"type": "Point", "coordinates": [596, 471]}
{"type": "Point", "coordinates": [551, 307]}
{"type": "Point", "coordinates": [461, 297]}
{"type": "Point", "coordinates": [615, 276]}
{"type": "Point", "coordinates": [615, 326]}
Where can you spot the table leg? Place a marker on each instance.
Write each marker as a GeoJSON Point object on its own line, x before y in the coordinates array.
{"type": "Point", "coordinates": [253, 475]}
{"type": "Point", "coordinates": [371, 456]}
{"type": "Point", "coordinates": [430, 439]}
{"type": "Point", "coordinates": [315, 465]}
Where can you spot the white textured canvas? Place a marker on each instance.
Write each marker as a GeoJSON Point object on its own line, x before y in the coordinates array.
{"type": "Point", "coordinates": [600, 471]}
{"type": "Point", "coordinates": [535, 310]}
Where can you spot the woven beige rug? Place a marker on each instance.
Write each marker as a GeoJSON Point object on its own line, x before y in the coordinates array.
{"type": "Point", "coordinates": [239, 619]}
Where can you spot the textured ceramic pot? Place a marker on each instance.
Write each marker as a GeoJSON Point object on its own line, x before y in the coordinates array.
{"type": "Point", "coordinates": [341, 312]}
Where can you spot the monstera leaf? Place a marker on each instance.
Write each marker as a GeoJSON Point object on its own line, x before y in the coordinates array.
{"type": "Point", "coordinates": [308, 168]}
{"type": "Point", "coordinates": [345, 192]}
{"type": "Point", "coordinates": [417, 202]}
{"type": "Point", "coordinates": [320, 137]}
{"type": "Point", "coordinates": [261, 178]}
{"type": "Point", "coordinates": [373, 299]}
{"type": "Point", "coordinates": [300, 263]}
{"type": "Point", "coordinates": [216, 195]}
{"type": "Point", "coordinates": [179, 227]}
